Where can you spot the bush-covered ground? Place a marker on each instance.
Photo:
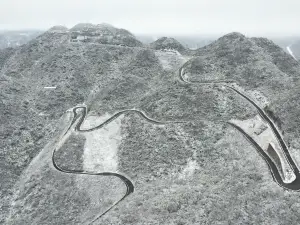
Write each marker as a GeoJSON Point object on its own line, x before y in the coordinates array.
{"type": "Point", "coordinates": [199, 172]}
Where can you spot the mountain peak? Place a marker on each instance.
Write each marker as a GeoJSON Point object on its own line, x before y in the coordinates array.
{"type": "Point", "coordinates": [167, 43]}
{"type": "Point", "coordinates": [233, 36]}
{"type": "Point", "coordinates": [103, 33]}
{"type": "Point", "coordinates": [83, 26]}
{"type": "Point", "coordinates": [58, 28]}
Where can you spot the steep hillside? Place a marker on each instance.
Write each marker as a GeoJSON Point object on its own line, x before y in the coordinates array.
{"type": "Point", "coordinates": [252, 62]}
{"type": "Point", "coordinates": [166, 130]}
{"type": "Point", "coordinates": [255, 64]}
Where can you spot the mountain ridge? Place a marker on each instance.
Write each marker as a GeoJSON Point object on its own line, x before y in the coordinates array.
{"type": "Point", "coordinates": [194, 172]}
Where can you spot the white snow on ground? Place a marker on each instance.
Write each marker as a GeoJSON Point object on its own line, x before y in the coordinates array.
{"type": "Point", "coordinates": [101, 146]}
{"type": "Point", "coordinates": [96, 120]}
{"type": "Point", "coordinates": [262, 134]}
{"type": "Point", "coordinates": [43, 114]}
{"type": "Point", "coordinates": [189, 170]}
{"type": "Point", "coordinates": [171, 59]}
{"type": "Point", "coordinates": [288, 48]}
{"type": "Point", "coordinates": [100, 155]}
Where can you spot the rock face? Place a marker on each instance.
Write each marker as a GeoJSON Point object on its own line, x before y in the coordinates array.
{"type": "Point", "coordinates": [188, 166]}
{"type": "Point", "coordinates": [166, 43]}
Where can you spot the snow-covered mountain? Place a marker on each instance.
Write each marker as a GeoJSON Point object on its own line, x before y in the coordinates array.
{"type": "Point", "coordinates": [94, 100]}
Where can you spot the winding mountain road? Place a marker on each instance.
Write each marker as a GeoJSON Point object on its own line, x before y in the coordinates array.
{"type": "Point", "coordinates": [295, 185]}
{"type": "Point", "coordinates": [80, 113]}
{"type": "Point", "coordinates": [78, 119]}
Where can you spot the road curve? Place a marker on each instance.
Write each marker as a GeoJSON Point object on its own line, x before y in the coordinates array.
{"type": "Point", "coordinates": [83, 112]}
{"type": "Point", "coordinates": [295, 185]}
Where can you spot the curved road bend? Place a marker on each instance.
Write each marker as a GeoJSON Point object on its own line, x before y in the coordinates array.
{"type": "Point", "coordinates": [115, 116]}
{"type": "Point", "coordinates": [295, 185]}
{"type": "Point", "coordinates": [83, 112]}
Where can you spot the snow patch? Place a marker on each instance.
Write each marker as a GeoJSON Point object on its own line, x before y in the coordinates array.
{"type": "Point", "coordinates": [94, 120]}
{"type": "Point", "coordinates": [171, 59]}
{"type": "Point", "coordinates": [101, 146]}
{"type": "Point", "coordinates": [189, 170]}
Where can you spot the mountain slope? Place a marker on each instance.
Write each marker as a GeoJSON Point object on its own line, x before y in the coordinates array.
{"type": "Point", "coordinates": [188, 166]}
{"type": "Point", "coordinates": [255, 64]}
{"type": "Point", "coordinates": [252, 62]}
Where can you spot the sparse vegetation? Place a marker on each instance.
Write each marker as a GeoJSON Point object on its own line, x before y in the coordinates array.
{"type": "Point", "coordinates": [199, 172]}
